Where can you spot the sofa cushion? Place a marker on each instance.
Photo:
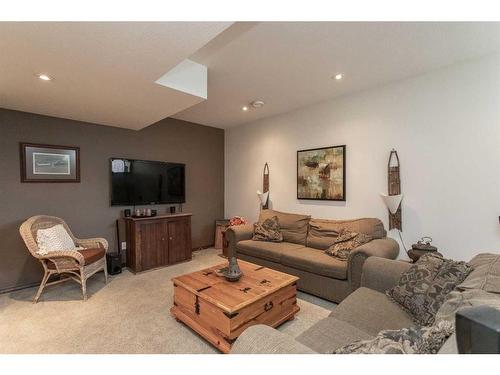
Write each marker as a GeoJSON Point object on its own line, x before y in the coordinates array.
{"type": "Point", "coordinates": [329, 334]}
{"type": "Point", "coordinates": [266, 250]}
{"type": "Point", "coordinates": [371, 311]}
{"type": "Point", "coordinates": [90, 256]}
{"type": "Point", "coordinates": [485, 275]}
{"type": "Point", "coordinates": [262, 339]}
{"type": "Point", "coordinates": [315, 261]}
{"type": "Point", "coordinates": [458, 300]}
{"type": "Point", "coordinates": [323, 232]}
{"type": "Point", "coordinates": [293, 227]}
{"type": "Point", "coordinates": [423, 288]}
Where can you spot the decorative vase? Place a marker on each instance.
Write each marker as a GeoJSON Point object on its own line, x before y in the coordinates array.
{"type": "Point", "coordinates": [233, 272]}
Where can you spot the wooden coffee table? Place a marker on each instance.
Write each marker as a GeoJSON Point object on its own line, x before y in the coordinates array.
{"type": "Point", "coordinates": [220, 310]}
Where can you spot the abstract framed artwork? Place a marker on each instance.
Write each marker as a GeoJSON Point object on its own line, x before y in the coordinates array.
{"type": "Point", "coordinates": [49, 163]}
{"type": "Point", "coordinates": [321, 173]}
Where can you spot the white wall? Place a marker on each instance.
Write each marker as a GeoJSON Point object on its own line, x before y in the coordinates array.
{"type": "Point", "coordinates": [445, 126]}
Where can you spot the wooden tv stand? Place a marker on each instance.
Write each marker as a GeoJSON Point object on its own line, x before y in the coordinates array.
{"type": "Point", "coordinates": [157, 241]}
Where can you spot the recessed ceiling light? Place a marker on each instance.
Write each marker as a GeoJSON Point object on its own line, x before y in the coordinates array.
{"type": "Point", "coordinates": [338, 76]}
{"type": "Point", "coordinates": [257, 103]}
{"type": "Point", "coordinates": [244, 108]}
{"type": "Point", "coordinates": [44, 77]}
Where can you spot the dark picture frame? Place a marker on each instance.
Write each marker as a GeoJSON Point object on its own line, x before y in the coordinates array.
{"type": "Point", "coordinates": [49, 163]}
{"type": "Point", "coordinates": [313, 157]}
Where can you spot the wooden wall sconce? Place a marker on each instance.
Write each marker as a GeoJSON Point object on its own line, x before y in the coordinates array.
{"type": "Point", "coordinates": [394, 197]}
{"type": "Point", "coordinates": [264, 195]}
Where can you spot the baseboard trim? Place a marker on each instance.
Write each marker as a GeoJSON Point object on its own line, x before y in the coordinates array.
{"type": "Point", "coordinates": [19, 287]}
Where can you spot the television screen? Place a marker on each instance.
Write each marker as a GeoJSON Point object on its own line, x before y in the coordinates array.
{"type": "Point", "coordinates": [139, 182]}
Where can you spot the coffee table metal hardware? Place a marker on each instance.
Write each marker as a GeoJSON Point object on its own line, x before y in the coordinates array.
{"type": "Point", "coordinates": [204, 288]}
{"type": "Point", "coordinates": [268, 306]}
{"type": "Point", "coordinates": [230, 315]}
{"type": "Point", "coordinates": [197, 306]}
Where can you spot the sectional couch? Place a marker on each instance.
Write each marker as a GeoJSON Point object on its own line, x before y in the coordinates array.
{"type": "Point", "coordinates": [302, 252]}
{"type": "Point", "coordinates": [367, 311]}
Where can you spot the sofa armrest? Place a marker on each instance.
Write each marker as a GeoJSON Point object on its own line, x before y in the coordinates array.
{"type": "Point", "coordinates": [236, 234]}
{"type": "Point", "coordinates": [380, 247]}
{"type": "Point", "coordinates": [381, 274]}
{"type": "Point", "coordinates": [261, 339]}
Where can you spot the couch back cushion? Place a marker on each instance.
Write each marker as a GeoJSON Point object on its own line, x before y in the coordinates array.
{"type": "Point", "coordinates": [323, 233]}
{"type": "Point", "coordinates": [293, 227]}
{"type": "Point", "coordinates": [485, 275]}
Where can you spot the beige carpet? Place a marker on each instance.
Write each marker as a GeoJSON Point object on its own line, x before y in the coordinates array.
{"type": "Point", "coordinates": [128, 315]}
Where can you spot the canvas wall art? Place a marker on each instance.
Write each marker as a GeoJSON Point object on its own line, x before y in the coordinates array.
{"type": "Point", "coordinates": [49, 163]}
{"type": "Point", "coordinates": [321, 173]}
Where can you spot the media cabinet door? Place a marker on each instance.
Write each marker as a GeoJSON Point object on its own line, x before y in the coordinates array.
{"type": "Point", "coordinates": [154, 245]}
{"type": "Point", "coordinates": [179, 240]}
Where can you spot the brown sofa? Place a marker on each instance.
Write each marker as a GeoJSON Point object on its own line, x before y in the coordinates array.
{"type": "Point", "coordinates": [302, 251]}
{"type": "Point", "coordinates": [367, 311]}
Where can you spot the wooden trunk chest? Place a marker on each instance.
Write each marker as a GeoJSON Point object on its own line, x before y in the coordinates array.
{"type": "Point", "coordinates": [220, 310]}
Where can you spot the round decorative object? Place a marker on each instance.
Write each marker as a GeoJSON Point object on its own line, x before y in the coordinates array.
{"type": "Point", "coordinates": [424, 244]}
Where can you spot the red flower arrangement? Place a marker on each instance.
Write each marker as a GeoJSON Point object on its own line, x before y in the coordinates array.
{"type": "Point", "coordinates": [237, 220]}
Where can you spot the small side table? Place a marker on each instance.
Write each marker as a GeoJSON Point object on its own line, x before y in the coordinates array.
{"type": "Point", "coordinates": [225, 243]}
{"type": "Point", "coordinates": [415, 254]}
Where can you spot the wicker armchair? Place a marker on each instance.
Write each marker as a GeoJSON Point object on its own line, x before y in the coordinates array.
{"type": "Point", "coordinates": [71, 264]}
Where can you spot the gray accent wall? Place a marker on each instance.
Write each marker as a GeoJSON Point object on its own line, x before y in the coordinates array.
{"type": "Point", "coordinates": [86, 205]}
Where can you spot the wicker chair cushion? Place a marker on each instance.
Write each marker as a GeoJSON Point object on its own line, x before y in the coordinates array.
{"type": "Point", "coordinates": [92, 255]}
{"type": "Point", "coordinates": [89, 255]}
{"type": "Point", "coordinates": [55, 238]}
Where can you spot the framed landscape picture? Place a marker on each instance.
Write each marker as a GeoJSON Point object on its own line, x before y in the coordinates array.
{"type": "Point", "coordinates": [321, 173]}
{"type": "Point", "coordinates": [49, 163]}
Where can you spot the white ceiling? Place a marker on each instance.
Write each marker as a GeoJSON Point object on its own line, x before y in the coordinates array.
{"type": "Point", "coordinates": [289, 65]}
{"type": "Point", "coordinates": [105, 72]}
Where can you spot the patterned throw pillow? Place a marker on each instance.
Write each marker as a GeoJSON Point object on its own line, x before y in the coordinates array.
{"type": "Point", "coordinates": [415, 340]}
{"type": "Point", "coordinates": [422, 289]}
{"type": "Point", "coordinates": [345, 242]}
{"type": "Point", "coordinates": [268, 230]}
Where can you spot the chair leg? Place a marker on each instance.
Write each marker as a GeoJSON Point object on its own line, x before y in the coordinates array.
{"type": "Point", "coordinates": [105, 271]}
{"type": "Point", "coordinates": [42, 285]}
{"type": "Point", "coordinates": [84, 286]}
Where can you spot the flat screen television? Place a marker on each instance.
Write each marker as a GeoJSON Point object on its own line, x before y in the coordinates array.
{"type": "Point", "coordinates": [141, 182]}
